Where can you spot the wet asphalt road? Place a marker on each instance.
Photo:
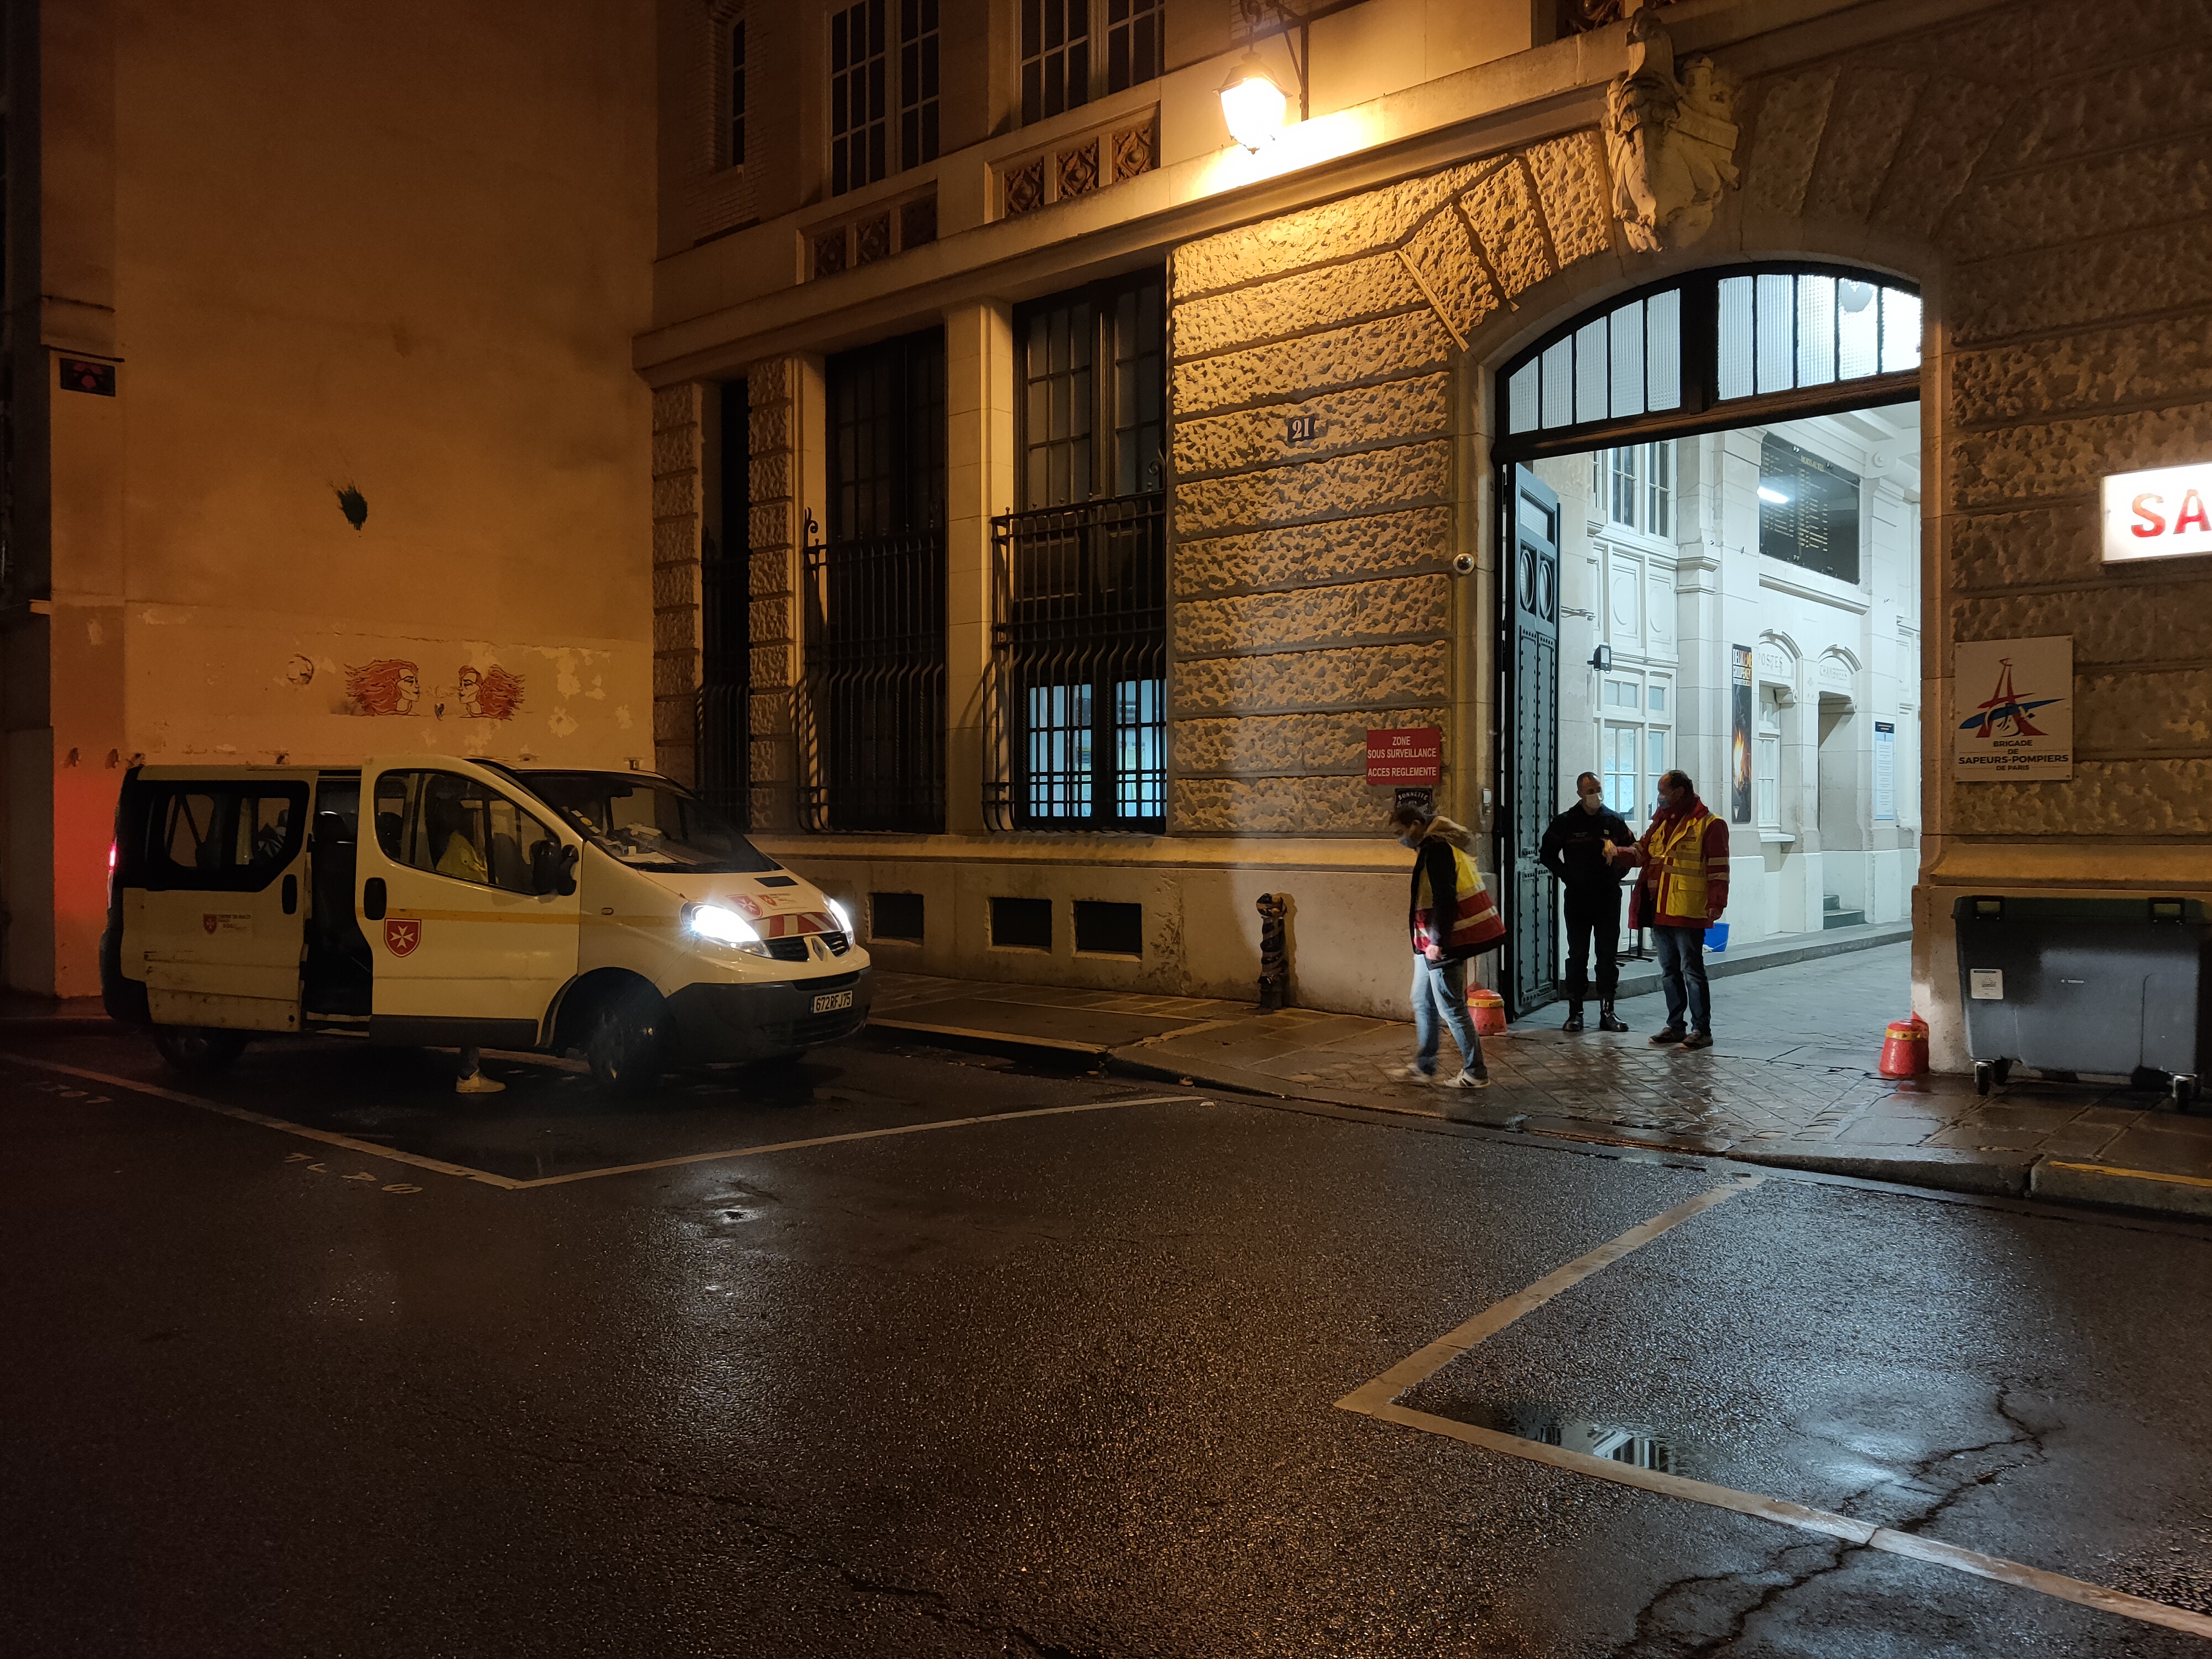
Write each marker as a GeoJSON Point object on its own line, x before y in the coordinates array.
{"type": "Point", "coordinates": [1050, 1385]}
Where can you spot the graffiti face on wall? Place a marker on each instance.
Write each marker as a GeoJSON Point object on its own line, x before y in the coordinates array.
{"type": "Point", "coordinates": [490, 694]}
{"type": "Point", "coordinates": [390, 685]}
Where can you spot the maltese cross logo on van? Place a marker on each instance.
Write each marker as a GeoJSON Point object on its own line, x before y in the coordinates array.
{"type": "Point", "coordinates": [402, 935]}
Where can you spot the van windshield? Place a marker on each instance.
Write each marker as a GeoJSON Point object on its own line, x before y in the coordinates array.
{"type": "Point", "coordinates": [646, 823]}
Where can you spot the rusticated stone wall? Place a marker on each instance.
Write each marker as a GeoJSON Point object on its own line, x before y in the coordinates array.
{"type": "Point", "coordinates": [1313, 598]}
{"type": "Point", "coordinates": [2060, 175]}
{"type": "Point", "coordinates": [675, 525]}
{"type": "Point", "coordinates": [776, 525]}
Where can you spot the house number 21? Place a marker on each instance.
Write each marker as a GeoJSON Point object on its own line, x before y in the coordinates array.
{"type": "Point", "coordinates": [1302, 429]}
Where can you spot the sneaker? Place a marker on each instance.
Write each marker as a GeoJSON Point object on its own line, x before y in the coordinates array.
{"type": "Point", "coordinates": [1670, 1034]}
{"type": "Point", "coordinates": [1574, 1018]}
{"type": "Point", "coordinates": [477, 1084]}
{"type": "Point", "coordinates": [1411, 1073]}
{"type": "Point", "coordinates": [1467, 1079]}
{"type": "Point", "coordinates": [1698, 1040]}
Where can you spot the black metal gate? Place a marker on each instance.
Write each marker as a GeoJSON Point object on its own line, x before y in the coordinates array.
{"type": "Point", "coordinates": [871, 719]}
{"type": "Point", "coordinates": [1530, 732]}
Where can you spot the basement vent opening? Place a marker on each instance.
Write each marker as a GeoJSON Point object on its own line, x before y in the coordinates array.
{"type": "Point", "coordinates": [1108, 930]}
{"type": "Point", "coordinates": [1021, 924]}
{"type": "Point", "coordinates": [895, 916]}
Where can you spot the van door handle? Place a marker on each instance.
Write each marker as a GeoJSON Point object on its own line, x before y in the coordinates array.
{"type": "Point", "coordinates": [372, 898]}
{"type": "Point", "coordinates": [291, 896]}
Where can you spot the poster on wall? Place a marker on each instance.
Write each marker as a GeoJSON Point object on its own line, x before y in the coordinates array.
{"type": "Point", "coordinates": [1885, 771]}
{"type": "Point", "coordinates": [1740, 734]}
{"type": "Point", "coordinates": [2014, 703]}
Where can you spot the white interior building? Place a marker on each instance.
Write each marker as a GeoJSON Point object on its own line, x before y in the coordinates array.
{"type": "Point", "coordinates": [1745, 605]}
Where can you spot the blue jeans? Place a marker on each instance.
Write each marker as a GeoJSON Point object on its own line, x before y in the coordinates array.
{"type": "Point", "coordinates": [1682, 975]}
{"type": "Point", "coordinates": [1441, 987]}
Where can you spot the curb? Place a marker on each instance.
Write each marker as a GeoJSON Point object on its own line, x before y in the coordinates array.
{"type": "Point", "coordinates": [1981, 1175]}
{"type": "Point", "coordinates": [2110, 1185]}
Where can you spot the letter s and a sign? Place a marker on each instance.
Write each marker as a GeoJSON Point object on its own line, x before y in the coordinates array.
{"type": "Point", "coordinates": [2166, 513]}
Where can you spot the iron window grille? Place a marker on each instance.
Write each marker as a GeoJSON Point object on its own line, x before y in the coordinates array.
{"type": "Point", "coordinates": [859, 76]}
{"type": "Point", "coordinates": [1076, 718]}
{"type": "Point", "coordinates": [918, 82]}
{"type": "Point", "coordinates": [1715, 349]}
{"type": "Point", "coordinates": [1075, 711]}
{"type": "Point", "coordinates": [872, 709]}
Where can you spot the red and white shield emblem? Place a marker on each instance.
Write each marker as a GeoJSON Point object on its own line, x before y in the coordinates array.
{"type": "Point", "coordinates": [401, 935]}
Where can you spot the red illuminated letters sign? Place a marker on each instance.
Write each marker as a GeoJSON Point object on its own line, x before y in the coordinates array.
{"type": "Point", "coordinates": [2162, 514]}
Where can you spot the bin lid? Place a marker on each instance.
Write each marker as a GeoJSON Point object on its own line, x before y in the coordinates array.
{"type": "Point", "coordinates": [2134, 909]}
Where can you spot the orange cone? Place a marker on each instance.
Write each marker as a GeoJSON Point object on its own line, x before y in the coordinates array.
{"type": "Point", "coordinates": [1904, 1048]}
{"type": "Point", "coordinates": [1489, 1011]}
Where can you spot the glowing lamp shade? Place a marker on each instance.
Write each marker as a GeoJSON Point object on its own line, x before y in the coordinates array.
{"type": "Point", "coordinates": [1252, 103]}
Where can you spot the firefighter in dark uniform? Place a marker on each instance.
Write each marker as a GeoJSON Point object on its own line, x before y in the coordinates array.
{"type": "Point", "coordinates": [1574, 850]}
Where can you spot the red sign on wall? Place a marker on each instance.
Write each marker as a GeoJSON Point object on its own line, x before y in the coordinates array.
{"type": "Point", "coordinates": [1406, 755]}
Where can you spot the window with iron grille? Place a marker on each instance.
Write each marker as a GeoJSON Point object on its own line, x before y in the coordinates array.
{"type": "Point", "coordinates": [735, 63]}
{"type": "Point", "coordinates": [1077, 717]}
{"type": "Point", "coordinates": [917, 81]}
{"type": "Point", "coordinates": [873, 715]}
{"type": "Point", "coordinates": [1055, 57]}
{"type": "Point", "coordinates": [859, 74]}
{"type": "Point", "coordinates": [1134, 30]}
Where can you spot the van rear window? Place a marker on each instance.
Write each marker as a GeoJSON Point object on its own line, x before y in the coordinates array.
{"type": "Point", "coordinates": [219, 835]}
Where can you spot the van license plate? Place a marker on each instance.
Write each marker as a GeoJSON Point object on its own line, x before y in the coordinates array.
{"type": "Point", "coordinates": [831, 1001]}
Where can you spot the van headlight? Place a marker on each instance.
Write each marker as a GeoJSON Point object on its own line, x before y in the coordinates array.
{"type": "Point", "coordinates": [838, 911]}
{"type": "Point", "coordinates": [724, 926]}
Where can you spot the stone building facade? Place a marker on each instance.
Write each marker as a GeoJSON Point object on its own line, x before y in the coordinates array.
{"type": "Point", "coordinates": [2037, 174]}
{"type": "Point", "coordinates": [617, 433]}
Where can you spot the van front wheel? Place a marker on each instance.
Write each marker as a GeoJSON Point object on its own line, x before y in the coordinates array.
{"type": "Point", "coordinates": [198, 1051]}
{"type": "Point", "coordinates": [623, 1048]}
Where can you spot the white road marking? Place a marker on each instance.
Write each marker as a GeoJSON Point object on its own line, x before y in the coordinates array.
{"type": "Point", "coordinates": [1378, 1399]}
{"type": "Point", "coordinates": [1419, 1367]}
{"type": "Point", "coordinates": [507, 1183]}
{"type": "Point", "coordinates": [327, 1137]}
{"type": "Point", "coordinates": [860, 1135]}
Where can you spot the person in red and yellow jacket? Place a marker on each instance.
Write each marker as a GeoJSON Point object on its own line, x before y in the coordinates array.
{"type": "Point", "coordinates": [1452, 920]}
{"type": "Point", "coordinates": [1684, 888]}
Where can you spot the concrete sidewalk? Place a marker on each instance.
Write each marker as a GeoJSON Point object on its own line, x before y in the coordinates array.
{"type": "Point", "coordinates": [1790, 1079]}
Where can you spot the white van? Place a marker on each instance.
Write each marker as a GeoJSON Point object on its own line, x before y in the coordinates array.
{"type": "Point", "coordinates": [441, 902]}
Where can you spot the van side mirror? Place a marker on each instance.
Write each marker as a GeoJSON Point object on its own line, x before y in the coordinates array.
{"type": "Point", "coordinates": [553, 868]}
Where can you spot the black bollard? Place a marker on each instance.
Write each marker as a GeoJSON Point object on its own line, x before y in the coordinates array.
{"type": "Point", "coordinates": [1275, 952]}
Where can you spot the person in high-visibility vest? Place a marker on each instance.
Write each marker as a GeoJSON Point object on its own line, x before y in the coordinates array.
{"type": "Point", "coordinates": [1452, 922]}
{"type": "Point", "coordinates": [1684, 888]}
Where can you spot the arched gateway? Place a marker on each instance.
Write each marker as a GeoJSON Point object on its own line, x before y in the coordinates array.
{"type": "Point", "coordinates": [1314, 592]}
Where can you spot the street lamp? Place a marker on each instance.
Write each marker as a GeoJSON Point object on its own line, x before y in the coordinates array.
{"type": "Point", "coordinates": [1252, 103]}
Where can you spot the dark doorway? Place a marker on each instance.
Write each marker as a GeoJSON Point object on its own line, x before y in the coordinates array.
{"type": "Point", "coordinates": [1529, 734]}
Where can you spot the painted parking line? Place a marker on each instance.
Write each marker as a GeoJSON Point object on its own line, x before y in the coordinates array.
{"type": "Point", "coordinates": [1378, 1399]}
{"type": "Point", "coordinates": [508, 1183]}
{"type": "Point", "coordinates": [862, 1134]}
{"type": "Point", "coordinates": [329, 1138]}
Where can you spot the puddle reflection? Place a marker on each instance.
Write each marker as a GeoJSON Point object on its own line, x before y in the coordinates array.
{"type": "Point", "coordinates": [1638, 1445]}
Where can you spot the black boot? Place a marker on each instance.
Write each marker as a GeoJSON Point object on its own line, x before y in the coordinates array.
{"type": "Point", "coordinates": [1609, 1021]}
{"type": "Point", "coordinates": [1574, 1018]}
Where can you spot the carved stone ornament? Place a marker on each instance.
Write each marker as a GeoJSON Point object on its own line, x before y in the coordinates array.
{"type": "Point", "coordinates": [1025, 187]}
{"type": "Point", "coordinates": [1078, 170]}
{"type": "Point", "coordinates": [1671, 143]}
